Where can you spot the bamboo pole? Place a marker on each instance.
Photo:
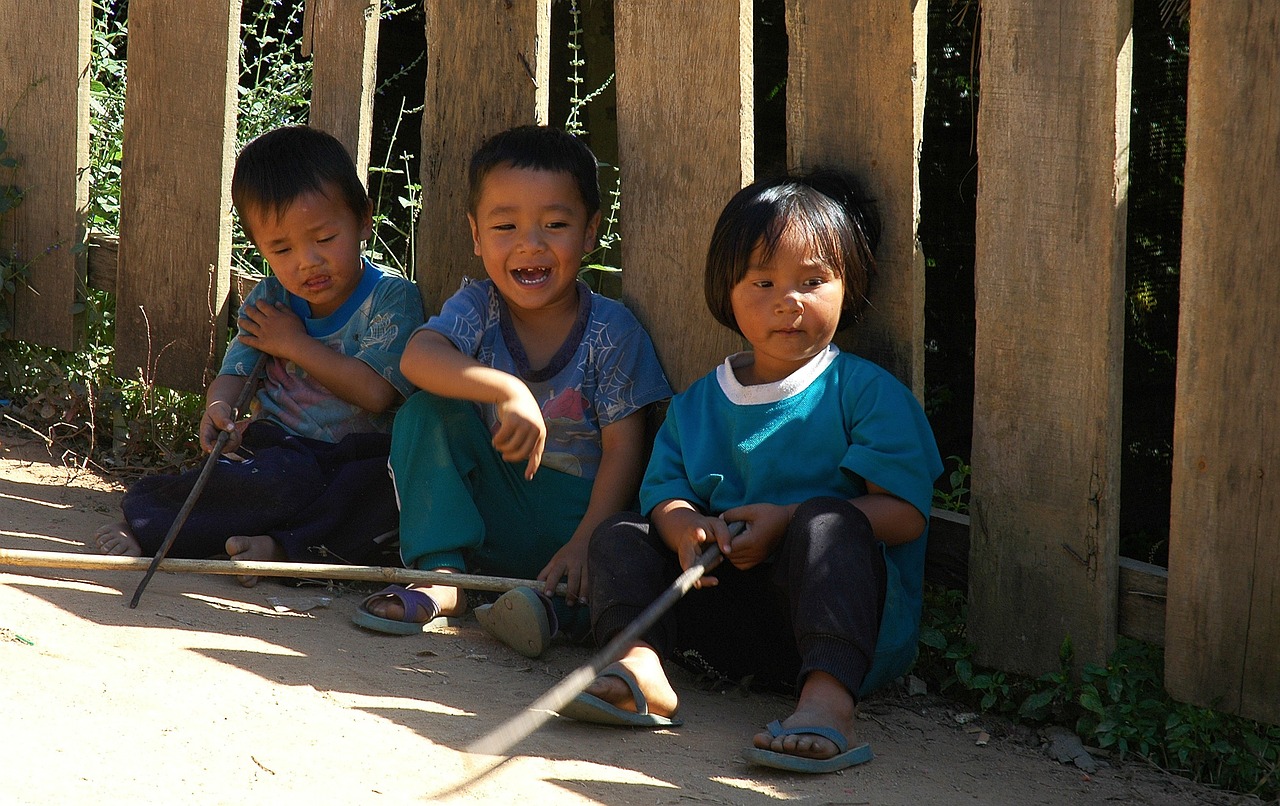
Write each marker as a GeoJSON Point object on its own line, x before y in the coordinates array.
{"type": "Point", "coordinates": [402, 576]}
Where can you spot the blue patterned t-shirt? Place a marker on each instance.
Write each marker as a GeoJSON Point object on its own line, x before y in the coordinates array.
{"type": "Point", "coordinates": [373, 325]}
{"type": "Point", "coordinates": [606, 369]}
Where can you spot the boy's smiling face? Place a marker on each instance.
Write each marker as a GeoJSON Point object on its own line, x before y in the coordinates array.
{"type": "Point", "coordinates": [313, 247]}
{"type": "Point", "coordinates": [531, 229]}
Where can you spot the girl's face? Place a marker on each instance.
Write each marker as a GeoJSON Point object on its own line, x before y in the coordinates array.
{"type": "Point", "coordinates": [787, 306]}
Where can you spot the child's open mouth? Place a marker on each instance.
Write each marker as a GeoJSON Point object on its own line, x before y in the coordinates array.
{"type": "Point", "coordinates": [318, 283]}
{"type": "Point", "coordinates": [531, 276]}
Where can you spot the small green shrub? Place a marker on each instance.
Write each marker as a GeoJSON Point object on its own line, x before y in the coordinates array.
{"type": "Point", "coordinates": [1121, 707]}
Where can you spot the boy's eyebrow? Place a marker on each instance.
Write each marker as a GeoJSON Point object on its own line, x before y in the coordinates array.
{"type": "Point", "coordinates": [506, 209]}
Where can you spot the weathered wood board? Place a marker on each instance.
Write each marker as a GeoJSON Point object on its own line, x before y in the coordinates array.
{"type": "Point", "coordinates": [1049, 283]}
{"type": "Point", "coordinates": [855, 99]}
{"type": "Point", "coordinates": [44, 116]}
{"type": "Point", "coordinates": [1223, 629]}
{"type": "Point", "coordinates": [487, 70]}
{"type": "Point", "coordinates": [685, 146]}
{"type": "Point", "coordinates": [175, 214]}
{"type": "Point", "coordinates": [342, 36]}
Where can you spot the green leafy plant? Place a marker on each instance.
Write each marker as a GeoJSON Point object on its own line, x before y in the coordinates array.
{"type": "Point", "coordinates": [1120, 707]}
{"type": "Point", "coordinates": [955, 499]}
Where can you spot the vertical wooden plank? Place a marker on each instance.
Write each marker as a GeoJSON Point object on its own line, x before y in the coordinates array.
{"type": "Point", "coordinates": [44, 112]}
{"type": "Point", "coordinates": [175, 216]}
{"type": "Point", "coordinates": [685, 146]}
{"type": "Point", "coordinates": [343, 35]}
{"type": "Point", "coordinates": [855, 99]}
{"type": "Point", "coordinates": [487, 70]}
{"type": "Point", "coordinates": [1223, 621]}
{"type": "Point", "coordinates": [1053, 131]}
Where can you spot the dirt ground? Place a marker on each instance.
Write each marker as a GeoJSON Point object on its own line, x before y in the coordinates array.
{"type": "Point", "coordinates": [210, 693]}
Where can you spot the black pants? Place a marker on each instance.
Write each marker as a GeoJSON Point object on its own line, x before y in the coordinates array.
{"type": "Point", "coordinates": [814, 606]}
{"type": "Point", "coordinates": [321, 501]}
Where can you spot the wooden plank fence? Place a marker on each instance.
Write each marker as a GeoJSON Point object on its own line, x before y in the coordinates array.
{"type": "Point", "coordinates": [1053, 143]}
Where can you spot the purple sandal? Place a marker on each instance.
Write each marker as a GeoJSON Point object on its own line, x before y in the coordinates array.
{"type": "Point", "coordinates": [415, 604]}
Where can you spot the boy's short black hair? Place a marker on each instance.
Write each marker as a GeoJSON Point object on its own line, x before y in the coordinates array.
{"type": "Point", "coordinates": [277, 167]}
{"type": "Point", "coordinates": [542, 148]}
{"type": "Point", "coordinates": [832, 211]}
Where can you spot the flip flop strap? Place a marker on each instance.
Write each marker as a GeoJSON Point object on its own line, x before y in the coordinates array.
{"type": "Point", "coordinates": [830, 734]}
{"type": "Point", "coordinates": [642, 705]}
{"type": "Point", "coordinates": [412, 601]}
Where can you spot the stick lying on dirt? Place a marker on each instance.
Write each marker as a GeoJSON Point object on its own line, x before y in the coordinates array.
{"type": "Point", "coordinates": [402, 576]}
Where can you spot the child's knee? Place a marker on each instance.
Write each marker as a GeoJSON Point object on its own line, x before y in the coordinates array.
{"type": "Point", "coordinates": [828, 516]}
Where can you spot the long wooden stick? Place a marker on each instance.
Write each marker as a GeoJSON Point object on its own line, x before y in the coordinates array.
{"type": "Point", "coordinates": [250, 384]}
{"type": "Point", "coordinates": [400, 576]}
{"type": "Point", "coordinates": [510, 733]}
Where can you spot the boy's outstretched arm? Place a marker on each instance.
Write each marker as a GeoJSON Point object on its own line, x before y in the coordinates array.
{"type": "Point", "coordinates": [614, 490]}
{"type": "Point", "coordinates": [276, 330]}
{"type": "Point", "coordinates": [433, 363]}
{"type": "Point", "coordinates": [893, 520]}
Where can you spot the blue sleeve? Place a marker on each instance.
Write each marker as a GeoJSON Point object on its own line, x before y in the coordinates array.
{"type": "Point", "coordinates": [240, 357]}
{"type": "Point", "coordinates": [464, 317]}
{"type": "Point", "coordinates": [891, 443]}
{"type": "Point", "coordinates": [629, 375]}
{"type": "Point", "coordinates": [395, 313]}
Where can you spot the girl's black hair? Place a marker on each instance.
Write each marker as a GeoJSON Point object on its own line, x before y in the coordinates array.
{"type": "Point", "coordinates": [542, 148]}
{"type": "Point", "coordinates": [277, 167]}
{"type": "Point", "coordinates": [830, 209]}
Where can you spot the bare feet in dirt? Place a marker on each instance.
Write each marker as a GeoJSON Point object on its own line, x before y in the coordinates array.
{"type": "Point", "coordinates": [825, 702]}
{"type": "Point", "coordinates": [257, 548]}
{"type": "Point", "coordinates": [450, 600]}
{"type": "Point", "coordinates": [116, 539]}
{"type": "Point", "coordinates": [645, 665]}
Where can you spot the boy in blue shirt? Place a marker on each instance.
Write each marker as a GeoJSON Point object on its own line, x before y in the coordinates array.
{"type": "Point", "coordinates": [531, 428]}
{"type": "Point", "coordinates": [309, 481]}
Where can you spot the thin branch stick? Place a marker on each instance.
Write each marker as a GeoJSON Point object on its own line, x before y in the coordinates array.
{"type": "Point", "coordinates": [499, 741]}
{"type": "Point", "coordinates": [369, 573]}
{"type": "Point", "coordinates": [250, 383]}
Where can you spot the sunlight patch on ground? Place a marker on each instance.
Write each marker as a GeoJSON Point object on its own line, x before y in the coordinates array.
{"type": "Point", "coordinates": [248, 608]}
{"type": "Point", "coordinates": [33, 536]}
{"type": "Point", "coordinates": [754, 786]}
{"type": "Point", "coordinates": [373, 702]}
{"type": "Point", "coordinates": [65, 584]}
{"type": "Point", "coordinates": [35, 501]}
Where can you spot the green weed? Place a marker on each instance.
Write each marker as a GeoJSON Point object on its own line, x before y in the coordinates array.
{"type": "Point", "coordinates": [1120, 707]}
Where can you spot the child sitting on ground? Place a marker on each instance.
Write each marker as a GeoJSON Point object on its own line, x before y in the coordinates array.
{"type": "Point", "coordinates": [532, 427]}
{"type": "Point", "coordinates": [825, 457]}
{"type": "Point", "coordinates": [306, 477]}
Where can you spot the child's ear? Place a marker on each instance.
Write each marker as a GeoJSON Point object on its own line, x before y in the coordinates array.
{"type": "Point", "coordinates": [475, 233]}
{"type": "Point", "coordinates": [366, 221]}
{"type": "Point", "coordinates": [593, 224]}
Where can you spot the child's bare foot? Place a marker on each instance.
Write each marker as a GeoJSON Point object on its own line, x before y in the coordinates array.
{"type": "Point", "coordinates": [450, 600]}
{"type": "Point", "coordinates": [257, 548]}
{"type": "Point", "coordinates": [116, 539]}
{"type": "Point", "coordinates": [646, 667]}
{"type": "Point", "coordinates": [824, 702]}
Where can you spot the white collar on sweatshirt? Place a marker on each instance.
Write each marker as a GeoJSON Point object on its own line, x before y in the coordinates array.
{"type": "Point", "coordinates": [762, 393]}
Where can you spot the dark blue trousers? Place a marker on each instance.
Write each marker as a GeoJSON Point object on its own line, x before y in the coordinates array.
{"type": "Point", "coordinates": [814, 606]}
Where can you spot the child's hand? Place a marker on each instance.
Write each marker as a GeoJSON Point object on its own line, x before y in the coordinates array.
{"type": "Point", "coordinates": [570, 564]}
{"type": "Point", "coordinates": [216, 420]}
{"type": "Point", "coordinates": [273, 329]}
{"type": "Point", "coordinates": [766, 526]}
{"type": "Point", "coordinates": [687, 532]}
{"type": "Point", "coordinates": [522, 433]}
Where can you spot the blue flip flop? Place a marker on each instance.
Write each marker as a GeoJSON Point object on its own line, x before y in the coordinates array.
{"type": "Point", "coordinates": [414, 602]}
{"type": "Point", "coordinates": [521, 618]}
{"type": "Point", "coordinates": [589, 708]}
{"type": "Point", "coordinates": [843, 759]}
